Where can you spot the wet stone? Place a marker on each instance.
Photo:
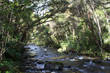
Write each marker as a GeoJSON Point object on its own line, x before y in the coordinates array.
{"type": "Point", "coordinates": [75, 70]}
{"type": "Point", "coordinates": [27, 67]}
{"type": "Point", "coordinates": [40, 66]}
{"type": "Point", "coordinates": [40, 62]}
{"type": "Point", "coordinates": [67, 71]}
{"type": "Point", "coordinates": [32, 56]}
{"type": "Point", "coordinates": [67, 66]}
{"type": "Point", "coordinates": [32, 59]}
{"type": "Point", "coordinates": [26, 48]}
{"type": "Point", "coordinates": [54, 65]}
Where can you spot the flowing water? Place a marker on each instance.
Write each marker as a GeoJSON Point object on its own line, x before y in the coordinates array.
{"type": "Point", "coordinates": [36, 58]}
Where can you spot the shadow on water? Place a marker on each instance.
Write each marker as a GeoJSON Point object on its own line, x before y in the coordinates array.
{"type": "Point", "coordinates": [37, 59]}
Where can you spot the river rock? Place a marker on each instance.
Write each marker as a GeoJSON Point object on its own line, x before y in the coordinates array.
{"type": "Point", "coordinates": [40, 62]}
{"type": "Point", "coordinates": [54, 65]}
{"type": "Point", "coordinates": [97, 61]}
{"type": "Point", "coordinates": [40, 66]}
{"type": "Point", "coordinates": [26, 47]}
{"type": "Point", "coordinates": [27, 67]}
{"type": "Point", "coordinates": [33, 59]}
{"type": "Point", "coordinates": [75, 70]}
{"type": "Point", "coordinates": [35, 48]}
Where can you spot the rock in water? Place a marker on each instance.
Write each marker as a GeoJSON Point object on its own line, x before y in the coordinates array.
{"type": "Point", "coordinates": [40, 66]}
{"type": "Point", "coordinates": [54, 65]}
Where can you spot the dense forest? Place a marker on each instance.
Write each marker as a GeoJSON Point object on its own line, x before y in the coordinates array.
{"type": "Point", "coordinates": [80, 26]}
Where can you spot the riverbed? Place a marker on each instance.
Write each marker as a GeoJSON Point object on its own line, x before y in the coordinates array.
{"type": "Point", "coordinates": [35, 59]}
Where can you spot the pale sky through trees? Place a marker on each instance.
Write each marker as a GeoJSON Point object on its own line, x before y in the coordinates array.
{"type": "Point", "coordinates": [40, 9]}
{"type": "Point", "coordinates": [11, 0]}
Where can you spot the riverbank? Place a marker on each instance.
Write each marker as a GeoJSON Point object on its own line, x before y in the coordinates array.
{"type": "Point", "coordinates": [11, 62]}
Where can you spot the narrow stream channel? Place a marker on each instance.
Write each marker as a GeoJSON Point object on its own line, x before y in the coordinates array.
{"type": "Point", "coordinates": [43, 60]}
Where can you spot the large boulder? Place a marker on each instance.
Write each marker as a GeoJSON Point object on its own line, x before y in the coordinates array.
{"type": "Point", "coordinates": [54, 65]}
{"type": "Point", "coordinates": [40, 65]}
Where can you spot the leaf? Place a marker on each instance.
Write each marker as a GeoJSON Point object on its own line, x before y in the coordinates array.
{"type": "Point", "coordinates": [29, 4]}
{"type": "Point", "coordinates": [17, 4]}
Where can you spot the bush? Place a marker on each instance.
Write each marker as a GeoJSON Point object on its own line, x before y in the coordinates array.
{"type": "Point", "coordinates": [12, 57]}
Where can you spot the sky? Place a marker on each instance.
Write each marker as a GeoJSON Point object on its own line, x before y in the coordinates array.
{"type": "Point", "coordinates": [39, 9]}
{"type": "Point", "coordinates": [11, 0]}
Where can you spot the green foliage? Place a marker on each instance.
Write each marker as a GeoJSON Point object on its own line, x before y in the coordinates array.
{"type": "Point", "coordinates": [75, 27]}
{"type": "Point", "coordinates": [12, 57]}
{"type": "Point", "coordinates": [9, 66]}
{"type": "Point", "coordinates": [11, 53]}
{"type": "Point", "coordinates": [107, 40]}
{"type": "Point", "coordinates": [75, 30]}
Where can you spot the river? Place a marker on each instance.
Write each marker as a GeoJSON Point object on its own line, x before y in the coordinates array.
{"type": "Point", "coordinates": [38, 59]}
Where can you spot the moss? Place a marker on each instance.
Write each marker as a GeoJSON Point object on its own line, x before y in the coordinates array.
{"type": "Point", "coordinates": [55, 65]}
{"type": "Point", "coordinates": [58, 62]}
{"type": "Point", "coordinates": [40, 62]}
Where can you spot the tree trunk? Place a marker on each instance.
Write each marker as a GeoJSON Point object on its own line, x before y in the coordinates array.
{"type": "Point", "coordinates": [23, 37]}
{"type": "Point", "coordinates": [94, 16]}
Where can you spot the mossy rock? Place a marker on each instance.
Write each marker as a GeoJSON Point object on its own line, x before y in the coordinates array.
{"type": "Point", "coordinates": [54, 65]}
{"type": "Point", "coordinates": [40, 62]}
{"type": "Point", "coordinates": [59, 63]}
{"type": "Point", "coordinates": [97, 61]}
